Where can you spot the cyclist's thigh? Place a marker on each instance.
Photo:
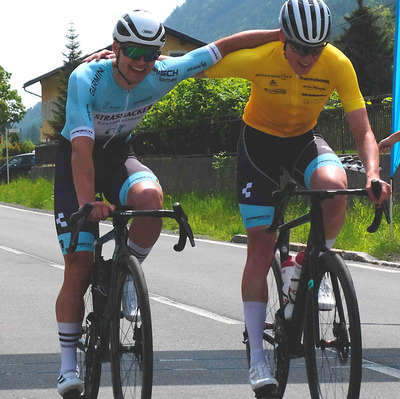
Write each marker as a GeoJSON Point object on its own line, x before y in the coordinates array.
{"type": "Point", "coordinates": [258, 175]}
{"type": "Point", "coordinates": [125, 177]}
{"type": "Point", "coordinates": [66, 203]}
{"type": "Point", "coordinates": [313, 153]}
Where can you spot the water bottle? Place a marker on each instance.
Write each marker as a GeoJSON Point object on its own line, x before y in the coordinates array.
{"type": "Point", "coordinates": [294, 283]}
{"type": "Point", "coordinates": [287, 268]}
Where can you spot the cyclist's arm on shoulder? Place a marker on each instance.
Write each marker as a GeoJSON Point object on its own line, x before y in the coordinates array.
{"type": "Point", "coordinates": [367, 150]}
{"type": "Point", "coordinates": [246, 39]}
{"type": "Point", "coordinates": [107, 54]}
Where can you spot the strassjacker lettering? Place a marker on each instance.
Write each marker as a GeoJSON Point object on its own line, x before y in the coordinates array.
{"type": "Point", "coordinates": [114, 117]}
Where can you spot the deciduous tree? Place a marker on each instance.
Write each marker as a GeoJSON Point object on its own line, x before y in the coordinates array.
{"type": "Point", "coordinates": [11, 107]}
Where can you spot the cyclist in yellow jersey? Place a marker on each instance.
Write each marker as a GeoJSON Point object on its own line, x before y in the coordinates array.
{"type": "Point", "coordinates": [283, 103]}
{"type": "Point", "coordinates": [290, 83]}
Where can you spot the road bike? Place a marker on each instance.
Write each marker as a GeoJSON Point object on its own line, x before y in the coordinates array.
{"type": "Point", "coordinates": [109, 335]}
{"type": "Point", "coordinates": [330, 340]}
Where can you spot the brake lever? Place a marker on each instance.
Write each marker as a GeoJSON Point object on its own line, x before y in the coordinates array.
{"type": "Point", "coordinates": [185, 231]}
{"type": "Point", "coordinates": [76, 222]}
{"type": "Point", "coordinates": [377, 191]}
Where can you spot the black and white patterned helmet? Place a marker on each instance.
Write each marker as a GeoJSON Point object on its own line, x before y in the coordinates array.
{"type": "Point", "coordinates": [140, 27]}
{"type": "Point", "coordinates": [306, 22]}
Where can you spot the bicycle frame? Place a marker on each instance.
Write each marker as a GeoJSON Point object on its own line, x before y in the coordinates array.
{"type": "Point", "coordinates": [119, 233]}
{"type": "Point", "coordinates": [101, 342]}
{"type": "Point", "coordinates": [315, 245]}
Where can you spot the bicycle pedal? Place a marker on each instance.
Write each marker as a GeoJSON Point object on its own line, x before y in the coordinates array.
{"type": "Point", "coordinates": [267, 392]}
{"type": "Point", "coordinates": [72, 394]}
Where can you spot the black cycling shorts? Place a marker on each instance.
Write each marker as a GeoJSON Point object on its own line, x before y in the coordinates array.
{"type": "Point", "coordinates": [116, 170]}
{"type": "Point", "coordinates": [262, 158]}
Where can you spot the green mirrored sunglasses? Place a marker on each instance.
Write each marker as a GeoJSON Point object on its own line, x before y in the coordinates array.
{"type": "Point", "coordinates": [135, 53]}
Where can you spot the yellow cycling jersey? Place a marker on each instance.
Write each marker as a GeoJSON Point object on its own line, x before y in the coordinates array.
{"type": "Point", "coordinates": [285, 104]}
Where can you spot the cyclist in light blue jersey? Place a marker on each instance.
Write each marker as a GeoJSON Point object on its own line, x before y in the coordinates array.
{"type": "Point", "coordinates": [106, 100]}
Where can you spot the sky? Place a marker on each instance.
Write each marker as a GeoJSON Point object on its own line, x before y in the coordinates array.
{"type": "Point", "coordinates": [33, 33]}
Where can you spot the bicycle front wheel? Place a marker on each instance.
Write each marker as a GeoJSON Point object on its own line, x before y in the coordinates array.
{"type": "Point", "coordinates": [332, 334]}
{"type": "Point", "coordinates": [131, 333]}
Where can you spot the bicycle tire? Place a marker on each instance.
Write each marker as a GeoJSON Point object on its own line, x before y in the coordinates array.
{"type": "Point", "coordinates": [131, 341]}
{"type": "Point", "coordinates": [275, 339]}
{"type": "Point", "coordinates": [334, 364]}
{"type": "Point", "coordinates": [89, 362]}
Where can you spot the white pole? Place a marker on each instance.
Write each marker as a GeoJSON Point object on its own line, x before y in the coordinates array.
{"type": "Point", "coordinates": [8, 169]}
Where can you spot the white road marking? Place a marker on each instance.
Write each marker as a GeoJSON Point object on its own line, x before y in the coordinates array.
{"type": "Point", "coordinates": [193, 309]}
{"type": "Point", "coordinates": [382, 269]}
{"type": "Point", "coordinates": [157, 298]}
{"type": "Point", "coordinates": [14, 251]}
{"type": "Point", "coordinates": [392, 372]}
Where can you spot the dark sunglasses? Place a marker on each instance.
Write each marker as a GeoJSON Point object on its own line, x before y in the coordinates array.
{"type": "Point", "coordinates": [135, 53]}
{"type": "Point", "coordinates": [303, 51]}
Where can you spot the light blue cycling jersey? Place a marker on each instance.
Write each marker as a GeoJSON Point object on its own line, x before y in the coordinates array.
{"type": "Point", "coordinates": [98, 108]}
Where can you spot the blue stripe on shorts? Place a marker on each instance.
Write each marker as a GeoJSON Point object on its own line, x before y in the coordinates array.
{"type": "Point", "coordinates": [318, 162]}
{"type": "Point", "coordinates": [132, 180]}
{"type": "Point", "coordinates": [85, 242]}
{"type": "Point", "coordinates": [256, 215]}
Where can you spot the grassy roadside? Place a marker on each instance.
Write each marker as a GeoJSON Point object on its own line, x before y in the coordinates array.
{"type": "Point", "coordinates": [216, 216]}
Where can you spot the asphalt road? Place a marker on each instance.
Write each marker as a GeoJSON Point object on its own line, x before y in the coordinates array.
{"type": "Point", "coordinates": [197, 318]}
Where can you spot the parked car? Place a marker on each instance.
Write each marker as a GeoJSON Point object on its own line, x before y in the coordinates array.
{"type": "Point", "coordinates": [19, 165]}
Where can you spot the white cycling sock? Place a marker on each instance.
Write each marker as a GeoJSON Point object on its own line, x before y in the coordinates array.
{"type": "Point", "coordinates": [140, 253]}
{"type": "Point", "coordinates": [254, 315]}
{"type": "Point", "coordinates": [69, 334]}
{"type": "Point", "coordinates": [330, 243]}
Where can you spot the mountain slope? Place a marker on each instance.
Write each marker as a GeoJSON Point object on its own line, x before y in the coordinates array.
{"type": "Point", "coordinates": [208, 20]}
{"type": "Point", "coordinates": [30, 124]}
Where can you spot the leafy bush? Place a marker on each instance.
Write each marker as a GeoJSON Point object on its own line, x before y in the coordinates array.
{"type": "Point", "coordinates": [195, 99]}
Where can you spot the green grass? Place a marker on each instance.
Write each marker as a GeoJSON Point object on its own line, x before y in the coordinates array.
{"type": "Point", "coordinates": [23, 191]}
{"type": "Point", "coordinates": [216, 216]}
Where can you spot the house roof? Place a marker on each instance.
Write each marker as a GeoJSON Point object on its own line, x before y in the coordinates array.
{"type": "Point", "coordinates": [172, 32]}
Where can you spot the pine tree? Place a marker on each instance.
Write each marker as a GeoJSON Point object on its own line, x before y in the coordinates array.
{"type": "Point", "coordinates": [72, 60]}
{"type": "Point", "coordinates": [369, 44]}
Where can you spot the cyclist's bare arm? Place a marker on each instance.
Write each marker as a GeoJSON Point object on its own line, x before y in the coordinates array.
{"type": "Point", "coordinates": [107, 54]}
{"type": "Point", "coordinates": [243, 40]}
{"type": "Point", "coordinates": [83, 173]}
{"type": "Point", "coordinates": [226, 45]}
{"type": "Point", "coordinates": [368, 151]}
{"type": "Point", "coordinates": [246, 39]}
{"type": "Point", "coordinates": [385, 145]}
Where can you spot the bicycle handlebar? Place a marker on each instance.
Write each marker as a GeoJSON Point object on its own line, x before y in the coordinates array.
{"type": "Point", "coordinates": [77, 220]}
{"type": "Point", "coordinates": [281, 199]}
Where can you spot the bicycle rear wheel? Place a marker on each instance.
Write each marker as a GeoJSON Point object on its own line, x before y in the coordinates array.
{"type": "Point", "coordinates": [89, 362]}
{"type": "Point", "coordinates": [275, 339]}
{"type": "Point", "coordinates": [131, 340]}
{"type": "Point", "coordinates": [333, 348]}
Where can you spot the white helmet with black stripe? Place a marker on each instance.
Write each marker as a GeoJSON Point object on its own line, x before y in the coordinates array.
{"type": "Point", "coordinates": [140, 27]}
{"type": "Point", "coordinates": [306, 22]}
